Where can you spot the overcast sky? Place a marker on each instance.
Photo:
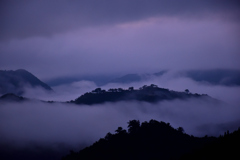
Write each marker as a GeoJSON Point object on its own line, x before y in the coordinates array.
{"type": "Point", "coordinates": [93, 37]}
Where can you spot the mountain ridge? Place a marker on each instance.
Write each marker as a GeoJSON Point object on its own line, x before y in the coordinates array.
{"type": "Point", "coordinates": [151, 94]}
{"type": "Point", "coordinates": [158, 140]}
{"type": "Point", "coordinates": [16, 81]}
{"type": "Point", "coordinates": [226, 77]}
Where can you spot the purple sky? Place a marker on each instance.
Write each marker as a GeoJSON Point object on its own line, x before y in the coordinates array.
{"type": "Point", "coordinates": [92, 37]}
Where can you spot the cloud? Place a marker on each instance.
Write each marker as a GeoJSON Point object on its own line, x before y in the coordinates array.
{"type": "Point", "coordinates": [61, 126]}
{"type": "Point", "coordinates": [172, 80]}
{"type": "Point", "coordinates": [61, 93]}
{"type": "Point", "coordinates": [57, 123]}
{"type": "Point", "coordinates": [146, 46]}
{"type": "Point", "coordinates": [60, 39]}
{"type": "Point", "coordinates": [43, 18]}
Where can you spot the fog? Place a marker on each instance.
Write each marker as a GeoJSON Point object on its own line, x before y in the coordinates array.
{"type": "Point", "coordinates": [62, 93]}
{"type": "Point", "coordinates": [171, 80]}
{"type": "Point", "coordinates": [49, 124]}
{"type": "Point", "coordinates": [63, 126]}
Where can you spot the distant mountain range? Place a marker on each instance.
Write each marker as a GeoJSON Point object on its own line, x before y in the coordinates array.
{"type": "Point", "coordinates": [150, 94]}
{"type": "Point", "coordinates": [16, 81]}
{"type": "Point", "coordinates": [10, 97]}
{"type": "Point", "coordinates": [225, 77]}
{"type": "Point", "coordinates": [129, 78]}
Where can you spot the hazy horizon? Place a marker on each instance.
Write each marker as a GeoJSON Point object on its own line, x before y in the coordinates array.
{"type": "Point", "coordinates": [89, 38]}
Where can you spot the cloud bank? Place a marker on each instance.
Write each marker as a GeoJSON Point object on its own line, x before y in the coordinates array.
{"type": "Point", "coordinates": [43, 18]}
{"type": "Point", "coordinates": [41, 123]}
{"type": "Point", "coordinates": [61, 126]}
{"type": "Point", "coordinates": [60, 39]}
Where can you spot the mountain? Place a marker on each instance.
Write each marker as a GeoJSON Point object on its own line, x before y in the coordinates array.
{"type": "Point", "coordinates": [130, 78]}
{"type": "Point", "coordinates": [227, 77]}
{"type": "Point", "coordinates": [151, 94]}
{"type": "Point", "coordinates": [10, 97]}
{"type": "Point", "coordinates": [158, 140]}
{"type": "Point", "coordinates": [16, 81]}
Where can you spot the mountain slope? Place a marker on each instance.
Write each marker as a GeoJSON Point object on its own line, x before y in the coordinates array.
{"type": "Point", "coordinates": [127, 79]}
{"type": "Point", "coordinates": [10, 97]}
{"type": "Point", "coordinates": [149, 140]}
{"type": "Point", "coordinates": [16, 81]}
{"type": "Point", "coordinates": [151, 94]}
{"type": "Point", "coordinates": [130, 78]}
{"type": "Point", "coordinates": [225, 77]}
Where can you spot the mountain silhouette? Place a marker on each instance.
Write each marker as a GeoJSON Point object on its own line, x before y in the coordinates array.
{"type": "Point", "coordinates": [130, 78]}
{"type": "Point", "coordinates": [226, 77]}
{"type": "Point", "coordinates": [157, 140]}
{"type": "Point", "coordinates": [16, 81]}
{"type": "Point", "coordinates": [151, 94]}
{"type": "Point", "coordinates": [10, 97]}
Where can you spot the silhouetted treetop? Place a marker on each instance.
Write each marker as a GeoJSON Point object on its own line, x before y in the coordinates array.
{"type": "Point", "coordinates": [133, 126]}
{"type": "Point", "coordinates": [158, 140]}
{"type": "Point", "coordinates": [153, 140]}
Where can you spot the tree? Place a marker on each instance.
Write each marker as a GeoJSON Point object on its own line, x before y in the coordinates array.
{"type": "Point", "coordinates": [143, 87]}
{"type": "Point", "coordinates": [130, 88]}
{"type": "Point", "coordinates": [180, 129]}
{"type": "Point", "coordinates": [108, 136]}
{"type": "Point", "coordinates": [97, 90]}
{"type": "Point", "coordinates": [120, 130]}
{"type": "Point", "coordinates": [187, 91]}
{"type": "Point", "coordinates": [103, 91]}
{"type": "Point", "coordinates": [153, 86]}
{"type": "Point", "coordinates": [120, 89]}
{"type": "Point", "coordinates": [133, 126]}
{"type": "Point", "coordinates": [111, 90]}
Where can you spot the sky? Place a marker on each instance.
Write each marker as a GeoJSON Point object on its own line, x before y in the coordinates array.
{"type": "Point", "coordinates": [54, 39]}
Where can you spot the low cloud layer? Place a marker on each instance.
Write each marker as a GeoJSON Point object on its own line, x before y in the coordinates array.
{"type": "Point", "coordinates": [26, 19]}
{"type": "Point", "coordinates": [61, 93]}
{"type": "Point", "coordinates": [124, 37]}
{"type": "Point", "coordinates": [47, 124]}
{"type": "Point", "coordinates": [62, 126]}
{"type": "Point", "coordinates": [170, 80]}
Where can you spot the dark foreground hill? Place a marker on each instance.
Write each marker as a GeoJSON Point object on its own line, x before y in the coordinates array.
{"type": "Point", "coordinates": [149, 94]}
{"type": "Point", "coordinates": [16, 81]}
{"type": "Point", "coordinates": [158, 140]}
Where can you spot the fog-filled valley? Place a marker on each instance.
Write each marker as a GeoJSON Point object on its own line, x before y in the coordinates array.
{"type": "Point", "coordinates": [58, 127]}
{"type": "Point", "coordinates": [119, 79]}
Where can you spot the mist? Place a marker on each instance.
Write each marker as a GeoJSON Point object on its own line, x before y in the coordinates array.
{"type": "Point", "coordinates": [172, 80]}
{"type": "Point", "coordinates": [74, 125]}
{"type": "Point", "coordinates": [61, 93]}
{"type": "Point", "coordinates": [63, 126]}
